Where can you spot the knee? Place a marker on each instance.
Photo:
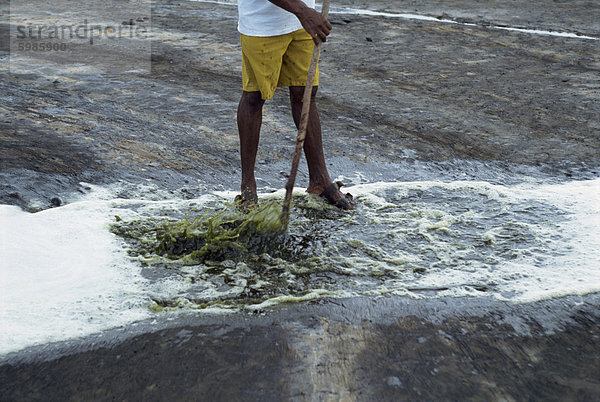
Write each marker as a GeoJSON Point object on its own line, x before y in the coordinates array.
{"type": "Point", "coordinates": [297, 95]}
{"type": "Point", "coordinates": [252, 100]}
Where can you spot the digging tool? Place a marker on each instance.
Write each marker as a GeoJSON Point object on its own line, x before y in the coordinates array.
{"type": "Point", "coordinates": [310, 78]}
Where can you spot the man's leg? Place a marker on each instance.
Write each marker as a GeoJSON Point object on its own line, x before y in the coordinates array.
{"type": "Point", "coordinates": [249, 119]}
{"type": "Point", "coordinates": [313, 146]}
{"type": "Point", "coordinates": [319, 180]}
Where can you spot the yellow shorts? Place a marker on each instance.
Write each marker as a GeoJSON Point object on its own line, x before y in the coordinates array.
{"type": "Point", "coordinates": [276, 61]}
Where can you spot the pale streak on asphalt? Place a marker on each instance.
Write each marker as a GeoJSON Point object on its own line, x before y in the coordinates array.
{"type": "Point", "coordinates": [357, 11]}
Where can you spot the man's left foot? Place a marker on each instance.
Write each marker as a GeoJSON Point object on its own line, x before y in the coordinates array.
{"type": "Point", "coordinates": [245, 203]}
{"type": "Point", "coordinates": [334, 196]}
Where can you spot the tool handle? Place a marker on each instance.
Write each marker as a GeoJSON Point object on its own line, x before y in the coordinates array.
{"type": "Point", "coordinates": [289, 187]}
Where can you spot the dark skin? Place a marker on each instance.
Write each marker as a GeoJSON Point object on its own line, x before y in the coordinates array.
{"type": "Point", "coordinates": [314, 23]}
{"type": "Point", "coordinates": [249, 116]}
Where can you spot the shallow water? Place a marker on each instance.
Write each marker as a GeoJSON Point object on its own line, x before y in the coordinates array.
{"type": "Point", "coordinates": [417, 239]}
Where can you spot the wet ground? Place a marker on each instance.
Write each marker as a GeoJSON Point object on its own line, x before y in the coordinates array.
{"type": "Point", "coordinates": [442, 92]}
{"type": "Point", "coordinates": [358, 349]}
{"type": "Point", "coordinates": [402, 100]}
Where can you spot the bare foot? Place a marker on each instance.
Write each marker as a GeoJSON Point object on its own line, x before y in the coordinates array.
{"type": "Point", "coordinates": [246, 201]}
{"type": "Point", "coordinates": [334, 196]}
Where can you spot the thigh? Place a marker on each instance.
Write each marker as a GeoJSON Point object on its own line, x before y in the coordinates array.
{"type": "Point", "coordinates": [296, 61]}
{"type": "Point", "coordinates": [262, 59]}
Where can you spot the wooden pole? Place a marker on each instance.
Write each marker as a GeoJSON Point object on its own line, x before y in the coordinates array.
{"type": "Point", "coordinates": [289, 187]}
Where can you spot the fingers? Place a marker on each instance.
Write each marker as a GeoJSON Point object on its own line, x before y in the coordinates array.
{"type": "Point", "coordinates": [325, 29]}
{"type": "Point", "coordinates": [319, 38]}
{"type": "Point", "coordinates": [321, 32]}
{"type": "Point", "coordinates": [315, 24]}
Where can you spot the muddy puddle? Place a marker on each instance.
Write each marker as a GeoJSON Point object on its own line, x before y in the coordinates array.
{"type": "Point", "coordinates": [416, 239]}
{"type": "Point", "coordinates": [129, 252]}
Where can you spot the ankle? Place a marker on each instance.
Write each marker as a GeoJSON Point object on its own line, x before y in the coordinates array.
{"type": "Point", "coordinates": [318, 185]}
{"type": "Point", "coordinates": [316, 188]}
{"type": "Point", "coordinates": [248, 190]}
